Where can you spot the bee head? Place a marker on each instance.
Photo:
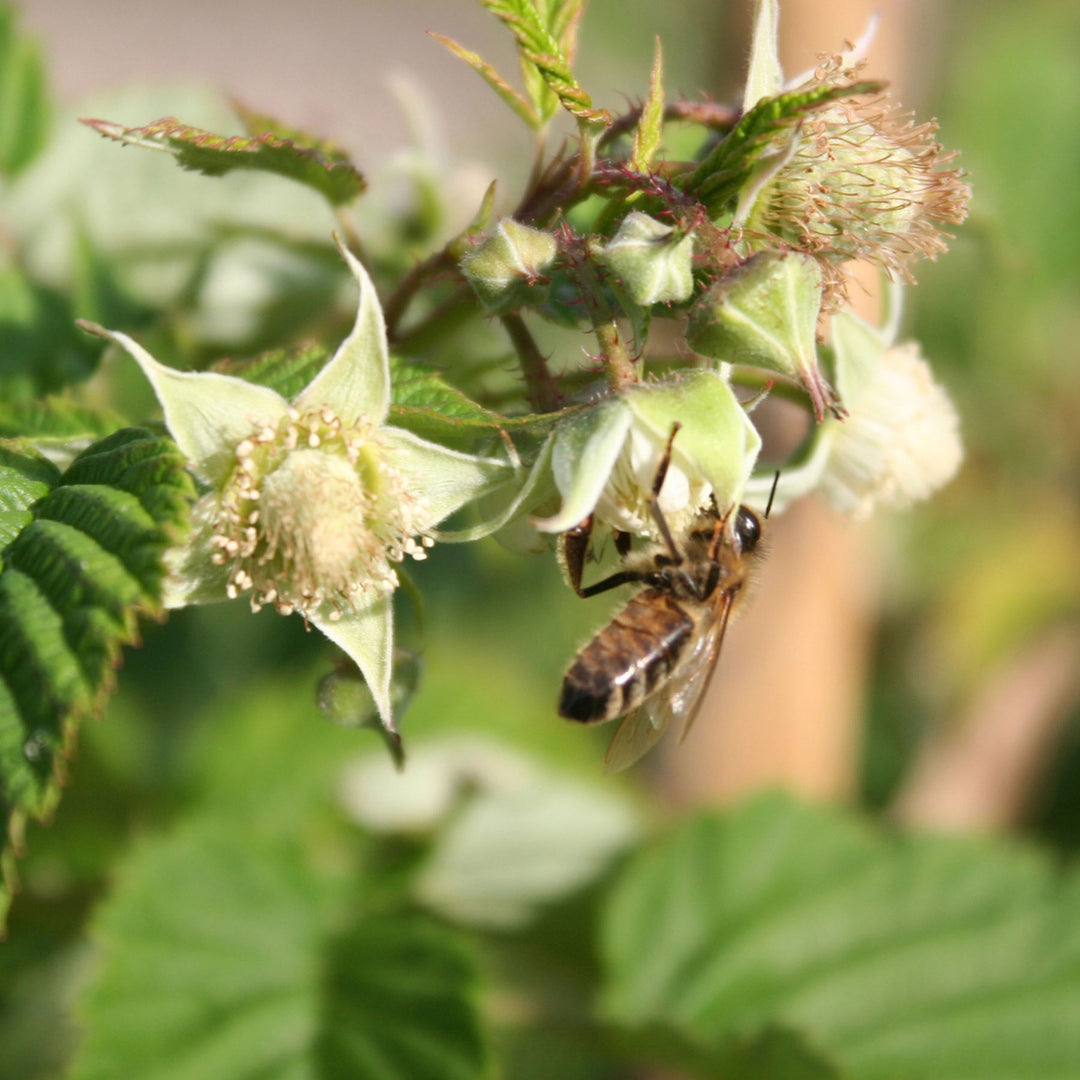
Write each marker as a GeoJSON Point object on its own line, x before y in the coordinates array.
{"type": "Point", "coordinates": [746, 532]}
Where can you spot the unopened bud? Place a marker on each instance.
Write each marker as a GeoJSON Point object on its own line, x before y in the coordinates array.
{"type": "Point", "coordinates": [764, 313]}
{"type": "Point", "coordinates": [653, 260]}
{"type": "Point", "coordinates": [506, 269]}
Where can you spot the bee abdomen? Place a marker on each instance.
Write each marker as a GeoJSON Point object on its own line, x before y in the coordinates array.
{"type": "Point", "coordinates": [626, 660]}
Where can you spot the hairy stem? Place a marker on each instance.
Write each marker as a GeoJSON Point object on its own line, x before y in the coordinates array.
{"type": "Point", "coordinates": [543, 392]}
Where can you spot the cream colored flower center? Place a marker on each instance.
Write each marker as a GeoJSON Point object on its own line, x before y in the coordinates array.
{"type": "Point", "coordinates": [315, 514]}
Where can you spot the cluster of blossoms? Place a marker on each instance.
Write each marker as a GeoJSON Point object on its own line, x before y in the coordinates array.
{"type": "Point", "coordinates": [312, 505]}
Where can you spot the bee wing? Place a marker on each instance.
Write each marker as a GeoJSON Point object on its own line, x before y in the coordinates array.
{"type": "Point", "coordinates": [638, 733]}
{"type": "Point", "coordinates": [679, 697]}
{"type": "Point", "coordinates": [687, 698]}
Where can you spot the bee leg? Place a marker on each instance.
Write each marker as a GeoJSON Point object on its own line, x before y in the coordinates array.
{"type": "Point", "coordinates": [654, 498]}
{"type": "Point", "coordinates": [623, 542]}
{"type": "Point", "coordinates": [575, 545]}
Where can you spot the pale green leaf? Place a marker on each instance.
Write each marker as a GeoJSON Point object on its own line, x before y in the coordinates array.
{"type": "Point", "coordinates": [915, 957]}
{"type": "Point", "coordinates": [221, 958]}
{"type": "Point", "coordinates": [716, 436]}
{"type": "Point", "coordinates": [444, 480]}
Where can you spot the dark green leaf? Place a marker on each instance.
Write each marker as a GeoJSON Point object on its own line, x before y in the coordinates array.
{"type": "Point", "coordinates": [914, 958]}
{"type": "Point", "coordinates": [83, 555]}
{"type": "Point", "coordinates": [320, 165]}
{"type": "Point", "coordinates": [24, 105]}
{"type": "Point", "coordinates": [399, 1002]}
{"type": "Point", "coordinates": [40, 349]}
{"type": "Point", "coordinates": [219, 962]}
{"type": "Point", "coordinates": [56, 420]}
{"type": "Point", "coordinates": [287, 371]}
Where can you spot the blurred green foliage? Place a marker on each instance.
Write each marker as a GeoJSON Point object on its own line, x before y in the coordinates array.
{"type": "Point", "coordinates": [239, 908]}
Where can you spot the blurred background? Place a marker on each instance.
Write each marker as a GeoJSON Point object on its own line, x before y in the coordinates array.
{"type": "Point", "coordinates": [926, 661]}
{"type": "Point", "coordinates": [924, 665]}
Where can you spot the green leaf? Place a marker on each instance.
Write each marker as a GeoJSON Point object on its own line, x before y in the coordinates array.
{"type": "Point", "coordinates": [514, 98]}
{"type": "Point", "coordinates": [287, 371]}
{"type": "Point", "coordinates": [84, 555]}
{"type": "Point", "coordinates": [318, 164]}
{"type": "Point", "coordinates": [220, 959]}
{"type": "Point", "coordinates": [423, 402]}
{"type": "Point", "coordinates": [40, 350]}
{"type": "Point", "coordinates": [916, 958]}
{"type": "Point", "coordinates": [24, 104]}
{"type": "Point", "coordinates": [541, 51]}
{"type": "Point", "coordinates": [651, 124]}
{"type": "Point", "coordinates": [399, 1004]}
{"type": "Point", "coordinates": [56, 420]}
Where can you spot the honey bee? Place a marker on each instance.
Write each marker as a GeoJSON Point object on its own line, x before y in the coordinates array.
{"type": "Point", "coordinates": [651, 664]}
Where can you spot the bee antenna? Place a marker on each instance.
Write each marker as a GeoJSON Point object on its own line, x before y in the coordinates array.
{"type": "Point", "coordinates": [772, 493]}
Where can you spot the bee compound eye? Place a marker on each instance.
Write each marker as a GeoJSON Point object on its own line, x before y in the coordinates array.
{"type": "Point", "coordinates": [747, 528]}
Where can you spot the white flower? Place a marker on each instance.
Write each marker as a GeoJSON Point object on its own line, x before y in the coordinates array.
{"type": "Point", "coordinates": [313, 502]}
{"type": "Point", "coordinates": [901, 439]}
{"type": "Point", "coordinates": [604, 460]}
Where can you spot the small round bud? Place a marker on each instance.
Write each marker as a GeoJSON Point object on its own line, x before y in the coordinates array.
{"type": "Point", "coordinates": [653, 260]}
{"type": "Point", "coordinates": [506, 269]}
{"type": "Point", "coordinates": [764, 313]}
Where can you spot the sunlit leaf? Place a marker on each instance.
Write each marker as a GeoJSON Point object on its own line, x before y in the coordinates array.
{"type": "Point", "coordinates": [221, 959]}
{"type": "Point", "coordinates": [83, 557]}
{"type": "Point", "coordinates": [320, 165]}
{"type": "Point", "coordinates": [915, 958]}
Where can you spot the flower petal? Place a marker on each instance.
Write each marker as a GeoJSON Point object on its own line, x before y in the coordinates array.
{"type": "Point", "coordinates": [716, 435]}
{"type": "Point", "coordinates": [585, 451]}
{"type": "Point", "coordinates": [443, 480]}
{"type": "Point", "coordinates": [356, 380]}
{"type": "Point", "coordinates": [206, 413]}
{"type": "Point", "coordinates": [367, 636]}
{"type": "Point", "coordinates": [765, 77]}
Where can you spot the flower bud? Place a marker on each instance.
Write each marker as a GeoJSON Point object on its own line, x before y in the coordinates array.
{"type": "Point", "coordinates": [864, 182]}
{"type": "Point", "coordinates": [652, 260]}
{"type": "Point", "coordinates": [505, 269]}
{"type": "Point", "coordinates": [764, 313]}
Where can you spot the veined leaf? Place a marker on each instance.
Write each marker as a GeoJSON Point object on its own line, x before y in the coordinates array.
{"type": "Point", "coordinates": [919, 958]}
{"type": "Point", "coordinates": [651, 125]}
{"type": "Point", "coordinates": [514, 98]}
{"type": "Point", "coordinates": [286, 371]}
{"type": "Point", "coordinates": [318, 164]}
{"type": "Point", "coordinates": [219, 961]}
{"type": "Point", "coordinates": [83, 555]}
{"type": "Point", "coordinates": [56, 420]}
{"type": "Point", "coordinates": [24, 105]}
{"type": "Point", "coordinates": [539, 48]}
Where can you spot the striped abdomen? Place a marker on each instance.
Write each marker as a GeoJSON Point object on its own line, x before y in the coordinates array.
{"type": "Point", "coordinates": [627, 660]}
